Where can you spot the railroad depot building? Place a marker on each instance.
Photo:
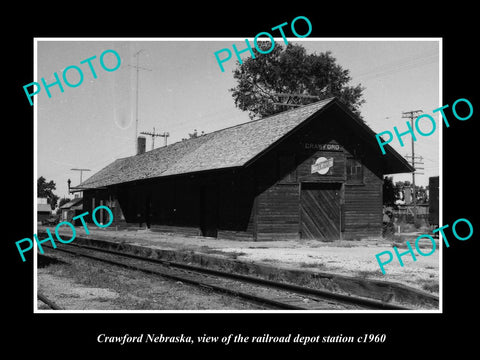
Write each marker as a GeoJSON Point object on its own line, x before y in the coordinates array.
{"type": "Point", "coordinates": [313, 172]}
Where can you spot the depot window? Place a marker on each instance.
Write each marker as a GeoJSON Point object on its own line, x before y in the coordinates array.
{"type": "Point", "coordinates": [354, 171]}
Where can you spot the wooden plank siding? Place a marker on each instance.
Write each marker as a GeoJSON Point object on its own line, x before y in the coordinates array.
{"type": "Point", "coordinates": [279, 202]}
{"type": "Point", "coordinates": [277, 213]}
{"type": "Point", "coordinates": [363, 207]}
{"type": "Point", "coordinates": [320, 215]}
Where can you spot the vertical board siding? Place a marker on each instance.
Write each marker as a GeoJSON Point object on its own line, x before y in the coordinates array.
{"type": "Point", "coordinates": [277, 212]}
{"type": "Point", "coordinates": [363, 208]}
{"type": "Point", "coordinates": [320, 211]}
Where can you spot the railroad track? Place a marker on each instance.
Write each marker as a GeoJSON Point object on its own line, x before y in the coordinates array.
{"type": "Point", "coordinates": [52, 305]}
{"type": "Point", "coordinates": [275, 295]}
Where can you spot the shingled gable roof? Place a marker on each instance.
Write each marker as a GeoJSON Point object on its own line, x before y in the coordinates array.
{"type": "Point", "coordinates": [227, 148]}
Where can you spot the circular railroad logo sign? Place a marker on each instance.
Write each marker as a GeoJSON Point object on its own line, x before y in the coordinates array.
{"type": "Point", "coordinates": [322, 165]}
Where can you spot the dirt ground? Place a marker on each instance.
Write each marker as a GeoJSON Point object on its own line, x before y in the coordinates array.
{"type": "Point", "coordinates": [350, 258]}
{"type": "Point", "coordinates": [68, 294]}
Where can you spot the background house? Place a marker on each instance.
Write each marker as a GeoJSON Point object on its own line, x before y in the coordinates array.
{"type": "Point", "coordinates": [44, 210]}
{"type": "Point", "coordinates": [71, 209]}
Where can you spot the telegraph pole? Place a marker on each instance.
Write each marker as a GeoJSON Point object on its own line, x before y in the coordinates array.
{"type": "Point", "coordinates": [153, 135]}
{"type": "Point", "coordinates": [81, 172]}
{"type": "Point", "coordinates": [165, 136]}
{"type": "Point", "coordinates": [138, 68]}
{"type": "Point", "coordinates": [412, 115]}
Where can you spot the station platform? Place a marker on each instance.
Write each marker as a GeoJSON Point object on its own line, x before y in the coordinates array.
{"type": "Point", "coordinates": [348, 267]}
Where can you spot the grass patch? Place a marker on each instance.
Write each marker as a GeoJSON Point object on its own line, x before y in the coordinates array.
{"type": "Point", "coordinates": [401, 244]}
{"type": "Point", "coordinates": [230, 254]}
{"type": "Point", "coordinates": [316, 265]}
{"type": "Point", "coordinates": [367, 273]}
{"type": "Point", "coordinates": [236, 254]}
{"type": "Point", "coordinates": [430, 286]}
{"type": "Point", "coordinates": [347, 243]}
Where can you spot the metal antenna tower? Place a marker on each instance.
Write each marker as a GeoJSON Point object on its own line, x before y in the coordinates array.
{"type": "Point", "coordinates": [138, 68]}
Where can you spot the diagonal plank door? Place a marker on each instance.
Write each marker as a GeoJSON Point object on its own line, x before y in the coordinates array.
{"type": "Point", "coordinates": [320, 211]}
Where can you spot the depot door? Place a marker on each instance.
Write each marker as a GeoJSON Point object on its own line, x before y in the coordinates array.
{"type": "Point", "coordinates": [320, 211]}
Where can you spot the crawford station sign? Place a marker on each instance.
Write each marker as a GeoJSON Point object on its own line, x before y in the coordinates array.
{"type": "Point", "coordinates": [323, 147]}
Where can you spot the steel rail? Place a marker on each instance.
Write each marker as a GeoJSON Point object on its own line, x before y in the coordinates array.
{"type": "Point", "coordinates": [369, 303]}
{"type": "Point", "coordinates": [48, 302]}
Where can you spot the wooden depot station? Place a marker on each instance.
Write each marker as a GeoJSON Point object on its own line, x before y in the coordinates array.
{"type": "Point", "coordinates": [313, 172]}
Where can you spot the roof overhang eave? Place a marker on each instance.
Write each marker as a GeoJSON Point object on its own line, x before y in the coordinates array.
{"type": "Point", "coordinates": [83, 188]}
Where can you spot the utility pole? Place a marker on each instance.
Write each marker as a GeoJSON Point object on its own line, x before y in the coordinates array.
{"type": "Point", "coordinates": [153, 135]}
{"type": "Point", "coordinates": [412, 115]}
{"type": "Point", "coordinates": [81, 172]}
{"type": "Point", "coordinates": [165, 135]}
{"type": "Point", "coordinates": [138, 68]}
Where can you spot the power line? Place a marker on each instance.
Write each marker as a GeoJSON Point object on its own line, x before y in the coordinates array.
{"type": "Point", "coordinates": [397, 66]}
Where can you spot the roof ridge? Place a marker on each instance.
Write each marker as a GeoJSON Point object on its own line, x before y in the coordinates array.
{"type": "Point", "coordinates": [238, 125]}
{"type": "Point", "coordinates": [241, 124]}
{"type": "Point", "coordinates": [208, 151]}
{"type": "Point", "coordinates": [273, 115]}
{"type": "Point", "coordinates": [167, 146]}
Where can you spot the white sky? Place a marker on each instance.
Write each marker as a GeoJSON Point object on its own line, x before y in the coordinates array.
{"type": "Point", "coordinates": [93, 124]}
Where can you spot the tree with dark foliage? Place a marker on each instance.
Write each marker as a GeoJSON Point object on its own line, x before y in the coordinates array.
{"type": "Point", "coordinates": [45, 190]}
{"type": "Point", "coordinates": [291, 70]}
{"type": "Point", "coordinates": [388, 191]}
{"type": "Point", "coordinates": [63, 201]}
